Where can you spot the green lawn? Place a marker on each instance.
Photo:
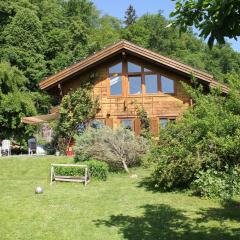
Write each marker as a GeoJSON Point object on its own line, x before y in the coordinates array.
{"type": "Point", "coordinates": [120, 208]}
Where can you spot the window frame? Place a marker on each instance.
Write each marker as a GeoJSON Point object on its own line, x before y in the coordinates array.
{"type": "Point", "coordinates": [126, 83]}
{"type": "Point", "coordinates": [169, 120]}
{"type": "Point", "coordinates": [127, 119]}
{"type": "Point", "coordinates": [115, 75]}
{"type": "Point", "coordinates": [174, 87]}
{"type": "Point", "coordinates": [158, 83]}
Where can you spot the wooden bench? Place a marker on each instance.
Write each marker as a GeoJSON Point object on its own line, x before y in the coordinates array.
{"type": "Point", "coordinates": [82, 179]}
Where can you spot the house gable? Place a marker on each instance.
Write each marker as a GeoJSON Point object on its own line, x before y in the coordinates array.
{"type": "Point", "coordinates": [125, 47]}
{"type": "Point", "coordinates": [128, 77]}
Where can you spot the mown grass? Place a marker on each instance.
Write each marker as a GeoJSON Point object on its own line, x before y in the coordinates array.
{"type": "Point", "coordinates": [120, 208]}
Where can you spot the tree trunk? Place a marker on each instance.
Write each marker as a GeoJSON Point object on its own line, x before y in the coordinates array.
{"type": "Point", "coordinates": [125, 166]}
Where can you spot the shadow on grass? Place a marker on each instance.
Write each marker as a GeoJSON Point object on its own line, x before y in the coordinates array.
{"type": "Point", "coordinates": [164, 222]}
{"type": "Point", "coordinates": [148, 184]}
{"type": "Point", "coordinates": [230, 211]}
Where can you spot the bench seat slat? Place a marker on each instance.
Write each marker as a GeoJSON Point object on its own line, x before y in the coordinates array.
{"type": "Point", "coordinates": [69, 180]}
{"type": "Point", "coordinates": [69, 177]}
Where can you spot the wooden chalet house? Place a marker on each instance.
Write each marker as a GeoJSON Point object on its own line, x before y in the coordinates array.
{"type": "Point", "coordinates": [127, 76]}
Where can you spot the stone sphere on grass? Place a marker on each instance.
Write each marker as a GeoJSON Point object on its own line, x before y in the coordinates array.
{"type": "Point", "coordinates": [38, 190]}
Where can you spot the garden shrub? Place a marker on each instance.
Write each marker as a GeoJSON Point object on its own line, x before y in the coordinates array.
{"type": "Point", "coordinates": [76, 109]}
{"type": "Point", "coordinates": [120, 148]}
{"type": "Point", "coordinates": [215, 184]}
{"type": "Point", "coordinates": [97, 170]}
{"type": "Point", "coordinates": [70, 171]}
{"type": "Point", "coordinates": [206, 137]}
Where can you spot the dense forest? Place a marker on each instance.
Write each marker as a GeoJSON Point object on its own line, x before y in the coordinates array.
{"type": "Point", "coordinates": [40, 37]}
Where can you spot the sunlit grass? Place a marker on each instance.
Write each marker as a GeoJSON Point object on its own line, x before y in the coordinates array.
{"type": "Point", "coordinates": [116, 209]}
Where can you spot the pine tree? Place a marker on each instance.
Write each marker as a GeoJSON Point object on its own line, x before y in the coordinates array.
{"type": "Point", "coordinates": [130, 16]}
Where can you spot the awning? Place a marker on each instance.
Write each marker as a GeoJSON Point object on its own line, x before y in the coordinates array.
{"type": "Point", "coordinates": [40, 118]}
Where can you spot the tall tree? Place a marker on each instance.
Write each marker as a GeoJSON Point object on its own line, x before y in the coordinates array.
{"type": "Point", "coordinates": [15, 102]}
{"type": "Point", "coordinates": [23, 45]}
{"type": "Point", "coordinates": [130, 16]}
{"type": "Point", "coordinates": [216, 19]}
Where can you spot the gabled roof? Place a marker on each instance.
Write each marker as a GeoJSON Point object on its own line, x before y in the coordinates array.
{"type": "Point", "coordinates": [136, 50]}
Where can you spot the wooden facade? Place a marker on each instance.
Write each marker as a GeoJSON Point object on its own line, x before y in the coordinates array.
{"type": "Point", "coordinates": [114, 109]}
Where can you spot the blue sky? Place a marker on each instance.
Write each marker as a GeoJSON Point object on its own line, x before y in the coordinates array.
{"type": "Point", "coordinates": [117, 8]}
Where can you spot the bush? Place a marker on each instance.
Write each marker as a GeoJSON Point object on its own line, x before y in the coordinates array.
{"type": "Point", "coordinates": [120, 148]}
{"type": "Point", "coordinates": [206, 137]}
{"type": "Point", "coordinates": [214, 184]}
{"type": "Point", "coordinates": [76, 109]}
{"type": "Point", "coordinates": [97, 170]}
{"type": "Point", "coordinates": [70, 171]}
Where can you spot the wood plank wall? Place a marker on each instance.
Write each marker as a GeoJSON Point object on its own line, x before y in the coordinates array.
{"type": "Point", "coordinates": [121, 107]}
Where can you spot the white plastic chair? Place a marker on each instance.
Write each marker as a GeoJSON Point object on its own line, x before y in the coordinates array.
{"type": "Point", "coordinates": [6, 147]}
{"type": "Point", "coordinates": [32, 146]}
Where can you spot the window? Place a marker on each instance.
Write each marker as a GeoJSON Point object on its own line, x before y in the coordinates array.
{"type": "Point", "coordinates": [97, 124]}
{"type": "Point", "coordinates": [147, 70]}
{"type": "Point", "coordinates": [163, 122]}
{"type": "Point", "coordinates": [172, 120]}
{"type": "Point", "coordinates": [167, 85]}
{"type": "Point", "coordinates": [115, 73]}
{"type": "Point", "coordinates": [132, 67]}
{"type": "Point", "coordinates": [127, 123]}
{"type": "Point", "coordinates": [151, 83]}
{"type": "Point", "coordinates": [116, 68]}
{"type": "Point", "coordinates": [115, 85]}
{"type": "Point", "coordinates": [135, 84]}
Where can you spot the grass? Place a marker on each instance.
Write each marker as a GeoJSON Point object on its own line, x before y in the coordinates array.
{"type": "Point", "coordinates": [120, 208]}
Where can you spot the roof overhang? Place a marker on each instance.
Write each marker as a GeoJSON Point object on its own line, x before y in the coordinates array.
{"type": "Point", "coordinates": [34, 120]}
{"type": "Point", "coordinates": [137, 51]}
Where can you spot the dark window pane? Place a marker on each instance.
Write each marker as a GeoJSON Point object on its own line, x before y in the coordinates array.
{"type": "Point", "coordinates": [116, 68]}
{"type": "Point", "coordinates": [132, 67]}
{"type": "Point", "coordinates": [167, 85]}
{"type": "Point", "coordinates": [151, 83]}
{"type": "Point", "coordinates": [97, 124]}
{"type": "Point", "coordinates": [163, 122]}
{"type": "Point", "coordinates": [115, 85]}
{"type": "Point", "coordinates": [135, 85]}
{"type": "Point", "coordinates": [127, 123]}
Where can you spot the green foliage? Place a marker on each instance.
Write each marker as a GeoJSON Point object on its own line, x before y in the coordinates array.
{"type": "Point", "coordinates": [145, 122]}
{"type": "Point", "coordinates": [206, 137]}
{"type": "Point", "coordinates": [117, 147]}
{"type": "Point", "coordinates": [76, 109]}
{"type": "Point", "coordinates": [130, 16]}
{"type": "Point", "coordinates": [97, 170]}
{"type": "Point", "coordinates": [151, 31]}
{"type": "Point", "coordinates": [43, 37]}
{"type": "Point", "coordinates": [215, 19]}
{"type": "Point", "coordinates": [217, 184]}
{"type": "Point", "coordinates": [15, 103]}
{"type": "Point", "coordinates": [70, 171]}
{"type": "Point", "coordinates": [23, 42]}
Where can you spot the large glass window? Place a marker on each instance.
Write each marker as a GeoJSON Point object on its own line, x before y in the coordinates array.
{"type": "Point", "coordinates": [115, 85]}
{"type": "Point", "coordinates": [116, 68]}
{"type": "Point", "coordinates": [167, 85]}
{"type": "Point", "coordinates": [115, 73]}
{"type": "Point", "coordinates": [135, 84]}
{"type": "Point", "coordinates": [151, 83]}
{"type": "Point", "coordinates": [132, 67]}
{"type": "Point", "coordinates": [127, 123]}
